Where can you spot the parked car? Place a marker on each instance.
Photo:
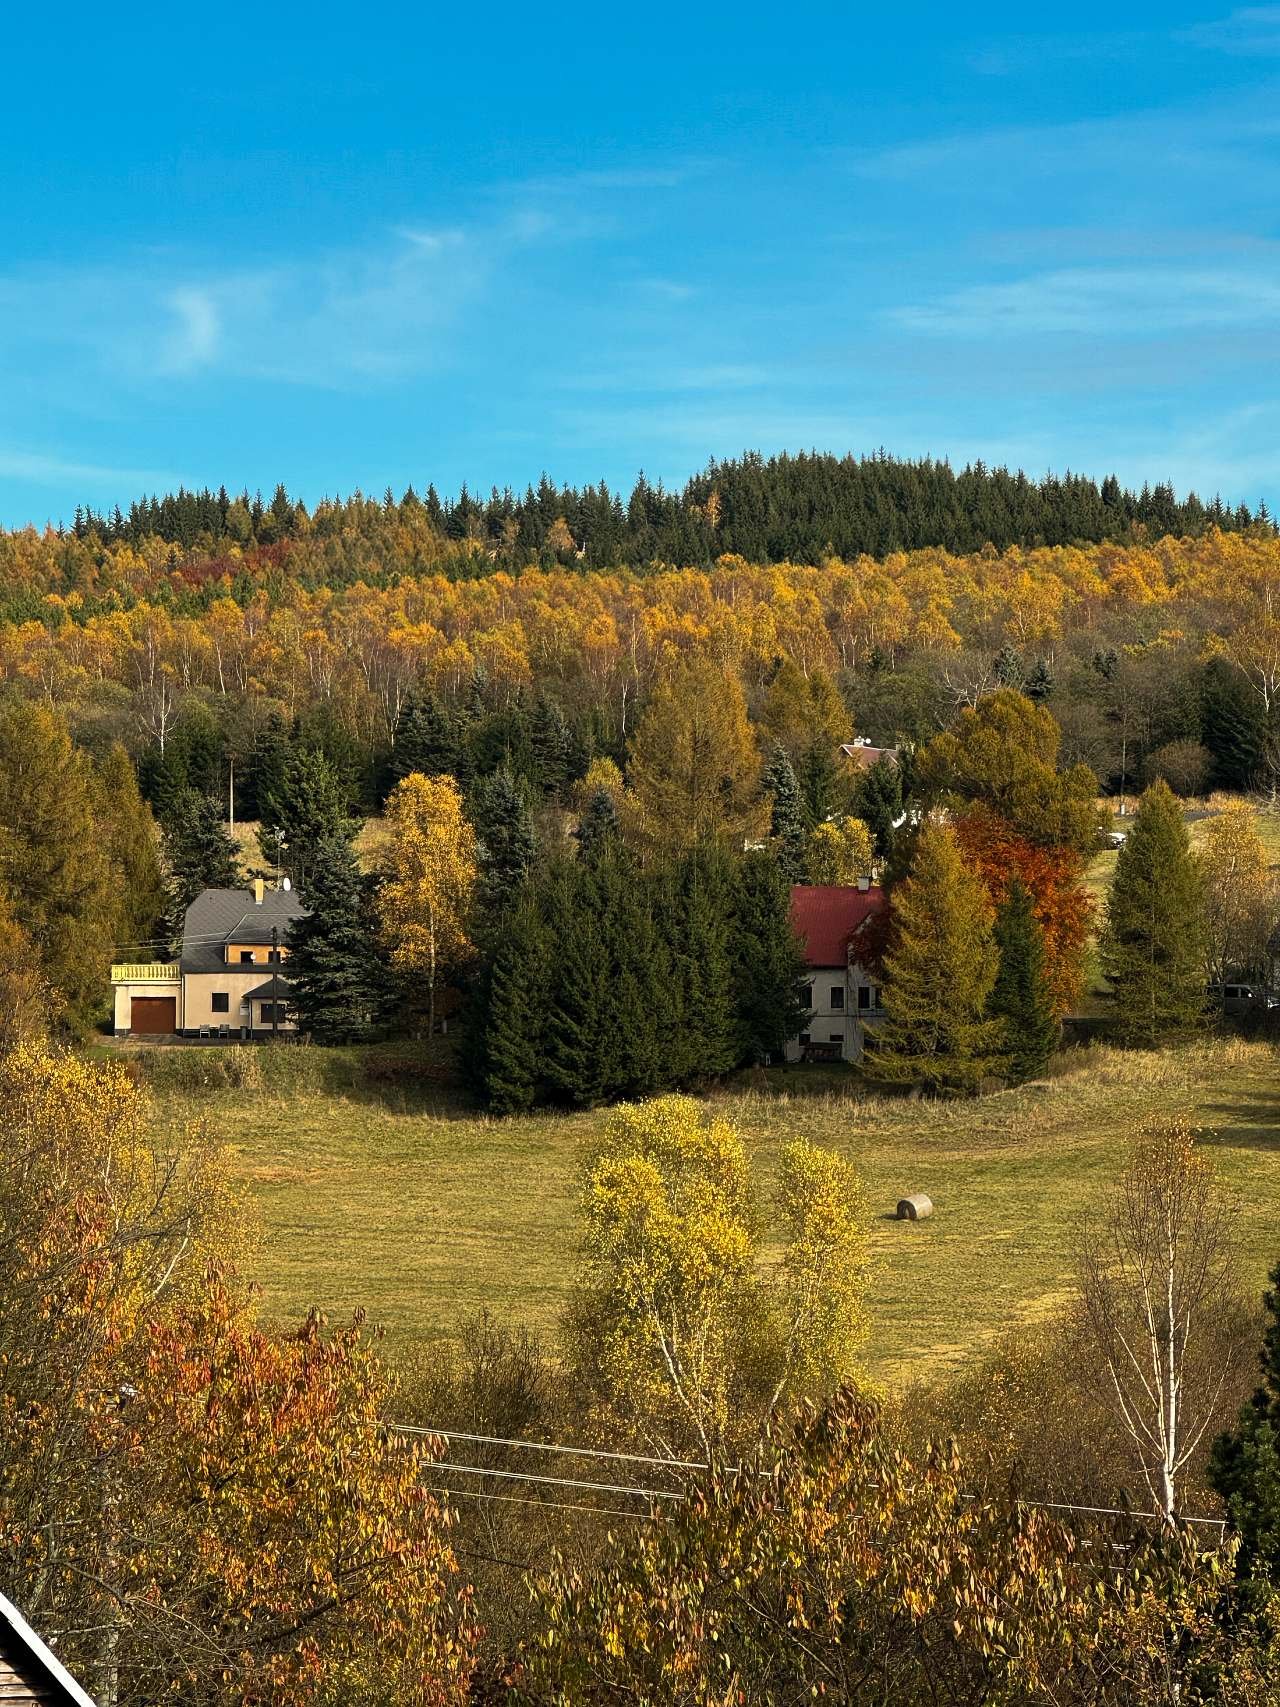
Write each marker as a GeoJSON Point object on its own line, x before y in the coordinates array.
{"type": "Point", "coordinates": [1239, 1000]}
{"type": "Point", "coordinates": [1114, 838]}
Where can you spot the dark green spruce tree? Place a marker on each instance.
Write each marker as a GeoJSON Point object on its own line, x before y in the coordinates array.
{"type": "Point", "coordinates": [599, 828]}
{"type": "Point", "coordinates": [638, 975]}
{"type": "Point", "coordinates": [877, 800]}
{"type": "Point", "coordinates": [550, 746]}
{"type": "Point", "coordinates": [787, 824]}
{"type": "Point", "coordinates": [198, 850]}
{"type": "Point", "coordinates": [580, 1040]}
{"type": "Point", "coordinates": [511, 1077]}
{"type": "Point", "coordinates": [819, 785]}
{"type": "Point", "coordinates": [310, 805]}
{"type": "Point", "coordinates": [336, 964]}
{"type": "Point", "coordinates": [1020, 998]}
{"type": "Point", "coordinates": [1244, 1468]}
{"type": "Point", "coordinates": [426, 740]}
{"type": "Point", "coordinates": [697, 926]}
{"type": "Point", "coordinates": [1233, 726]}
{"type": "Point", "coordinates": [768, 961]}
{"type": "Point", "coordinates": [507, 842]}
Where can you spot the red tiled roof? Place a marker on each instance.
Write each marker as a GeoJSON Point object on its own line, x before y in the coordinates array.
{"type": "Point", "coordinates": [825, 916]}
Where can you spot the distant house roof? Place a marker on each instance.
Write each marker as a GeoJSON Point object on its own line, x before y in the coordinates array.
{"type": "Point", "coordinates": [26, 1662]}
{"type": "Point", "coordinates": [268, 992]}
{"type": "Point", "coordinates": [825, 916]}
{"type": "Point", "coordinates": [219, 916]}
{"type": "Point", "coordinates": [864, 755]}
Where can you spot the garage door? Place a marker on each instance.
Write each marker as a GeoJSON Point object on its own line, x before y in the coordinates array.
{"type": "Point", "coordinates": [153, 1013]}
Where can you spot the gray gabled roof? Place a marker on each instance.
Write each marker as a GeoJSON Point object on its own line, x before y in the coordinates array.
{"type": "Point", "coordinates": [267, 992]}
{"type": "Point", "coordinates": [219, 916]}
{"type": "Point", "coordinates": [34, 1662]}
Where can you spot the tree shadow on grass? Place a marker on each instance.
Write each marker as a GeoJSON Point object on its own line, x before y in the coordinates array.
{"type": "Point", "coordinates": [1251, 1121]}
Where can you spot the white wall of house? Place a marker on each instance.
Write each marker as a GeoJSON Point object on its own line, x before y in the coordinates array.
{"type": "Point", "coordinates": [234, 983]}
{"type": "Point", "coordinates": [836, 1012]}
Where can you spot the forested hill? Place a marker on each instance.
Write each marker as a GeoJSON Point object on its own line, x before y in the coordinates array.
{"type": "Point", "coordinates": [787, 508]}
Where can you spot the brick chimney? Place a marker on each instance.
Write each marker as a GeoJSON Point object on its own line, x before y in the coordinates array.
{"type": "Point", "coordinates": [258, 890]}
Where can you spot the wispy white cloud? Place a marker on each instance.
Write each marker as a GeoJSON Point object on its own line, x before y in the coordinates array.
{"type": "Point", "coordinates": [343, 317]}
{"type": "Point", "coordinates": [1251, 31]}
{"type": "Point", "coordinates": [45, 470]}
{"type": "Point", "coordinates": [1100, 302]}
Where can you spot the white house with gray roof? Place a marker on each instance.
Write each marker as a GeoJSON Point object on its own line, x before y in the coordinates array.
{"type": "Point", "coordinates": [229, 982]}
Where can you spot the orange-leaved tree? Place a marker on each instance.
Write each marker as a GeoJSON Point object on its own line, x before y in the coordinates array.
{"type": "Point", "coordinates": [194, 1510]}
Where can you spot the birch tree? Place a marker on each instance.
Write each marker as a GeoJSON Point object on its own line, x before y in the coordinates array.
{"type": "Point", "coordinates": [1156, 1273]}
{"type": "Point", "coordinates": [430, 860]}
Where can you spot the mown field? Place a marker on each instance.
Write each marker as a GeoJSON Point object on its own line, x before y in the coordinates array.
{"type": "Point", "coordinates": [423, 1212]}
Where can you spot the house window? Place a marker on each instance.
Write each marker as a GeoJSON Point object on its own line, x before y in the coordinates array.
{"type": "Point", "coordinates": [246, 957]}
{"type": "Point", "coordinates": [864, 995]}
{"type": "Point", "coordinates": [220, 1002]}
{"type": "Point", "coordinates": [804, 1037]}
{"type": "Point", "coordinates": [273, 955]}
{"type": "Point", "coordinates": [808, 995]}
{"type": "Point", "coordinates": [836, 1037]}
{"type": "Point", "coordinates": [837, 996]}
{"type": "Point", "coordinates": [270, 1014]}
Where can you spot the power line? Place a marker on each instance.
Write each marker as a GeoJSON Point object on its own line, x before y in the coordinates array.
{"type": "Point", "coordinates": [550, 1505]}
{"type": "Point", "coordinates": [558, 1481]}
{"type": "Point", "coordinates": [549, 1446]}
{"type": "Point", "coordinates": [1217, 1523]}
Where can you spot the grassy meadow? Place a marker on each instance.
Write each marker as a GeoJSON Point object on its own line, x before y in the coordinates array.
{"type": "Point", "coordinates": [422, 1212]}
{"type": "Point", "coordinates": [403, 1200]}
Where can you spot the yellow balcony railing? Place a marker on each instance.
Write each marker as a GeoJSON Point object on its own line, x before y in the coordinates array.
{"type": "Point", "coordinates": [145, 972]}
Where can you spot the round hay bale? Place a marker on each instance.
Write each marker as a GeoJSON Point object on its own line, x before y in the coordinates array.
{"type": "Point", "coordinates": [914, 1208]}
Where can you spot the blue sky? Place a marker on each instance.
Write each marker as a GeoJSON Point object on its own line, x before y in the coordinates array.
{"type": "Point", "coordinates": [348, 247]}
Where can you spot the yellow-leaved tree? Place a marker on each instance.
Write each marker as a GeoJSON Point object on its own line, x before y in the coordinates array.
{"type": "Point", "coordinates": [430, 863]}
{"type": "Point", "coordinates": [1239, 894]}
{"type": "Point", "coordinates": [678, 1332]}
{"type": "Point", "coordinates": [694, 769]}
{"type": "Point", "coordinates": [839, 851]}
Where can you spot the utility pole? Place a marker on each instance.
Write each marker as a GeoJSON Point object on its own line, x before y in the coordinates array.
{"type": "Point", "coordinates": [231, 794]}
{"type": "Point", "coordinates": [275, 983]}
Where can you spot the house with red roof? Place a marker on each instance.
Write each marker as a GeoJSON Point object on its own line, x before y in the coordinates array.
{"type": "Point", "coordinates": [833, 922]}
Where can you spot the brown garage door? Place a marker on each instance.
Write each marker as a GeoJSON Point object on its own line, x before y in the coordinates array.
{"type": "Point", "coordinates": [153, 1013]}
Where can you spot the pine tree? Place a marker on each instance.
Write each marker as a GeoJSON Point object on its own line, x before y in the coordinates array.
{"type": "Point", "coordinates": [1039, 683]}
{"type": "Point", "coordinates": [336, 966]}
{"type": "Point", "coordinates": [579, 1038]}
{"type": "Point", "coordinates": [767, 959]}
{"type": "Point", "coordinates": [505, 840]}
{"type": "Point", "coordinates": [938, 975]}
{"type": "Point", "coordinates": [599, 827]}
{"type": "Point", "coordinates": [787, 823]}
{"type": "Point", "coordinates": [1233, 726]}
{"type": "Point", "coordinates": [1153, 941]}
{"type": "Point", "coordinates": [1021, 998]}
{"type": "Point", "coordinates": [698, 926]}
{"type": "Point", "coordinates": [551, 747]}
{"type": "Point", "coordinates": [514, 1021]}
{"type": "Point", "coordinates": [877, 800]}
{"type": "Point", "coordinates": [639, 975]}
{"type": "Point", "coordinates": [264, 769]}
{"type": "Point", "coordinates": [819, 785]}
{"type": "Point", "coordinates": [199, 852]}
{"type": "Point", "coordinates": [426, 739]}
{"type": "Point", "coordinates": [308, 806]}
{"type": "Point", "coordinates": [1244, 1468]}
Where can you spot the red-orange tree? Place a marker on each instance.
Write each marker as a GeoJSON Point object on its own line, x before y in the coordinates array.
{"type": "Point", "coordinates": [1054, 877]}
